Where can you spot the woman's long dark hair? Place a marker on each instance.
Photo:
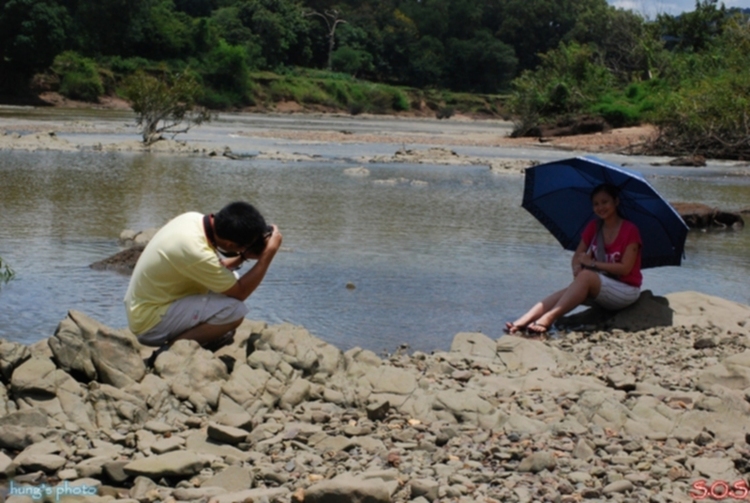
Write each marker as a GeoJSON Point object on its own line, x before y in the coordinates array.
{"type": "Point", "coordinates": [612, 191]}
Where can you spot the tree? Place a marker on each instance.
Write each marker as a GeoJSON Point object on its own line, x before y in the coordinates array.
{"type": "Point", "coordinates": [332, 19]}
{"type": "Point", "coordinates": [533, 27]}
{"type": "Point", "coordinates": [427, 62]}
{"type": "Point", "coordinates": [480, 64]}
{"type": "Point", "coordinates": [352, 61]}
{"type": "Point", "coordinates": [165, 104]}
{"type": "Point", "coordinates": [693, 31]}
{"type": "Point", "coordinates": [105, 26]}
{"type": "Point", "coordinates": [281, 30]}
{"type": "Point", "coordinates": [32, 32]}
{"type": "Point", "coordinates": [225, 72]}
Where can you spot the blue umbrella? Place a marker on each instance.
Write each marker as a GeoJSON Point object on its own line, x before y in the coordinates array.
{"type": "Point", "coordinates": [558, 194]}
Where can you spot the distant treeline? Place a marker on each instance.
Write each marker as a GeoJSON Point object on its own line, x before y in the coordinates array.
{"type": "Point", "coordinates": [554, 58]}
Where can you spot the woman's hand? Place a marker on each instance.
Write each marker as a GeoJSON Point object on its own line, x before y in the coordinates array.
{"type": "Point", "coordinates": [580, 258]}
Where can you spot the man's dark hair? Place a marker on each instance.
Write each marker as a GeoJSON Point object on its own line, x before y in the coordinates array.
{"type": "Point", "coordinates": [241, 223]}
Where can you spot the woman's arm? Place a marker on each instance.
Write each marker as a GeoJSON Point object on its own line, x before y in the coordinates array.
{"type": "Point", "coordinates": [579, 258]}
{"type": "Point", "coordinates": [621, 268]}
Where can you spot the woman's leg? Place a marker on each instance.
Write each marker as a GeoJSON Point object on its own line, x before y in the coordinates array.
{"type": "Point", "coordinates": [535, 312]}
{"type": "Point", "coordinates": [585, 285]}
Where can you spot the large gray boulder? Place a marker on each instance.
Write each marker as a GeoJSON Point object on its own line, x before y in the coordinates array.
{"type": "Point", "coordinates": [12, 354]}
{"type": "Point", "coordinates": [314, 357]}
{"type": "Point", "coordinates": [91, 351]}
{"type": "Point", "coordinates": [192, 373]}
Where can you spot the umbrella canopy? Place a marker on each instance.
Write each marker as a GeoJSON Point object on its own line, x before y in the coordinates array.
{"type": "Point", "coordinates": [558, 194]}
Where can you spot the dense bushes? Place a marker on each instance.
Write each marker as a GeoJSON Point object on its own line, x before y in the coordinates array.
{"type": "Point", "coordinates": [560, 58]}
{"type": "Point", "coordinates": [708, 113]}
{"type": "Point", "coordinates": [695, 89]}
{"type": "Point", "coordinates": [569, 81]}
{"type": "Point", "coordinates": [79, 77]}
{"type": "Point", "coordinates": [631, 106]}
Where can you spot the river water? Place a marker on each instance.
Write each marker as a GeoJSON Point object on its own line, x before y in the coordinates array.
{"type": "Point", "coordinates": [431, 250]}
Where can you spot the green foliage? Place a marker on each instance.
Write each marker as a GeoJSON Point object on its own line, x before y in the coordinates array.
{"type": "Point", "coordinates": [480, 64]}
{"type": "Point", "coordinates": [79, 77]}
{"type": "Point", "coordinates": [228, 24]}
{"type": "Point", "coordinates": [352, 61]}
{"type": "Point", "coordinates": [299, 90]}
{"type": "Point", "coordinates": [574, 56]}
{"type": "Point", "coordinates": [32, 32]}
{"type": "Point", "coordinates": [631, 106]}
{"type": "Point", "coordinates": [226, 75]}
{"type": "Point", "coordinates": [6, 273]}
{"type": "Point", "coordinates": [694, 31]}
{"type": "Point", "coordinates": [333, 90]}
{"type": "Point", "coordinates": [400, 102]}
{"type": "Point", "coordinates": [709, 111]}
{"type": "Point", "coordinates": [281, 30]}
{"type": "Point", "coordinates": [535, 27]}
{"type": "Point", "coordinates": [165, 103]}
{"type": "Point", "coordinates": [163, 33]}
{"type": "Point", "coordinates": [569, 81]}
{"type": "Point", "coordinates": [428, 64]}
{"type": "Point", "coordinates": [125, 66]}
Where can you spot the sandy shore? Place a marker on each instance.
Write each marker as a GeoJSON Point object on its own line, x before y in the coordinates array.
{"type": "Point", "coordinates": [622, 140]}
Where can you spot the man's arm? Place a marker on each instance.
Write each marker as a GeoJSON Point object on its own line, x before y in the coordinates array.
{"type": "Point", "coordinates": [249, 281]}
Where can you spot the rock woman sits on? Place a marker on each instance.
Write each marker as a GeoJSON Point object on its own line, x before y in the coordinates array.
{"type": "Point", "coordinates": [606, 268]}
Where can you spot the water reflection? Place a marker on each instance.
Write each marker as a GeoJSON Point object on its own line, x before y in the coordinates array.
{"type": "Point", "coordinates": [452, 252]}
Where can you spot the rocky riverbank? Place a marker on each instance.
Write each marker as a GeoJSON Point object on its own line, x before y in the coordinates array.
{"type": "Point", "coordinates": [627, 414]}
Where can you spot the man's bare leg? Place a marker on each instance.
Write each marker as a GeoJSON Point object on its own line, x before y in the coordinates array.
{"type": "Point", "coordinates": [205, 333]}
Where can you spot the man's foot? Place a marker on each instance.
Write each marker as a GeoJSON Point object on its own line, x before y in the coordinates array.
{"type": "Point", "coordinates": [222, 341]}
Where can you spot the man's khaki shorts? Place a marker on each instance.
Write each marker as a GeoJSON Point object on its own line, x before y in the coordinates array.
{"type": "Point", "coordinates": [189, 312]}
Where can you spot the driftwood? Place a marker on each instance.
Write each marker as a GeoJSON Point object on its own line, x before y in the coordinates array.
{"type": "Point", "coordinates": [691, 161]}
{"type": "Point", "coordinates": [701, 216]}
{"type": "Point", "coordinates": [672, 141]}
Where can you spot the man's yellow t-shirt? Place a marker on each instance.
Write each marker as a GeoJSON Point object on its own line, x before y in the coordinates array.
{"type": "Point", "coordinates": [177, 262]}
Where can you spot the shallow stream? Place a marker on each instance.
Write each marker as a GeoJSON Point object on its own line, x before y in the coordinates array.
{"type": "Point", "coordinates": [431, 250]}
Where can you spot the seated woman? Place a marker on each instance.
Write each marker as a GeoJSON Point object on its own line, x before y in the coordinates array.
{"type": "Point", "coordinates": [610, 277]}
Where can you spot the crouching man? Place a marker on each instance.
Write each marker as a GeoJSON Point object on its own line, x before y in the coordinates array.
{"type": "Point", "coordinates": [184, 285]}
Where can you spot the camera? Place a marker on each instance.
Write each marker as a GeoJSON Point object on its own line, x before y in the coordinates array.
{"type": "Point", "coordinates": [260, 244]}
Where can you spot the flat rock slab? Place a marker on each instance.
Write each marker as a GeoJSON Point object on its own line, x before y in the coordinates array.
{"type": "Point", "coordinates": [172, 464]}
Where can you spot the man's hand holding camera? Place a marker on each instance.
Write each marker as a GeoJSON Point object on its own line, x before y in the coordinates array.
{"type": "Point", "coordinates": [263, 253]}
{"type": "Point", "coordinates": [270, 245]}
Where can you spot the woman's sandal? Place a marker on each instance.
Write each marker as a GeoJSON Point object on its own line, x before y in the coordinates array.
{"type": "Point", "coordinates": [537, 329]}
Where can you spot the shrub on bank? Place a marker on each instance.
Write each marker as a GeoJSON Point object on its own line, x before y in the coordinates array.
{"type": "Point", "coordinates": [631, 106]}
{"type": "Point", "coordinates": [79, 77]}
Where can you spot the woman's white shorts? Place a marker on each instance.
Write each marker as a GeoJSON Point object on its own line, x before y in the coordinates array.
{"type": "Point", "coordinates": [615, 294]}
